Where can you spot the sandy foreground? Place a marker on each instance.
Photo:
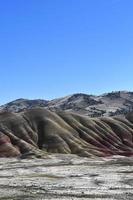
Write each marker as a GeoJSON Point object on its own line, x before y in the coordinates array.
{"type": "Point", "coordinates": [66, 177]}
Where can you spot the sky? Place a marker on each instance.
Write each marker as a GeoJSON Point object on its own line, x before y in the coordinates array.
{"type": "Point", "coordinates": [53, 48]}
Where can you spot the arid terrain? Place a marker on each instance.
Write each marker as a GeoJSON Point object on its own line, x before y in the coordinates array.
{"type": "Point", "coordinates": [39, 132]}
{"type": "Point", "coordinates": [108, 104]}
{"type": "Point", "coordinates": [66, 177]}
{"type": "Point", "coordinates": [65, 155]}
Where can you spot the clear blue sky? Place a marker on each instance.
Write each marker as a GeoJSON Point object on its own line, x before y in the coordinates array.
{"type": "Point", "coordinates": [52, 48]}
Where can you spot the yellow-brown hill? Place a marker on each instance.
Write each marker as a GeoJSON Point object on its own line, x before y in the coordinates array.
{"type": "Point", "coordinates": [38, 131]}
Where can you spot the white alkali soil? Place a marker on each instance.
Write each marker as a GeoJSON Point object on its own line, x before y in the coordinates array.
{"type": "Point", "coordinates": [66, 177]}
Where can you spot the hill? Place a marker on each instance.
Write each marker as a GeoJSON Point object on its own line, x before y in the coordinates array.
{"type": "Point", "coordinates": [40, 131]}
{"type": "Point", "coordinates": [109, 104]}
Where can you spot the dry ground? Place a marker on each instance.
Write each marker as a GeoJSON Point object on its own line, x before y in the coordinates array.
{"type": "Point", "coordinates": [66, 177]}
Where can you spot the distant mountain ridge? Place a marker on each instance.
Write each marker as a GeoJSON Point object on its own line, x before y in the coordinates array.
{"type": "Point", "coordinates": [108, 104]}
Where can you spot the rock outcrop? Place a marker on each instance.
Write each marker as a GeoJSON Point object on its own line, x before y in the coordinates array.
{"type": "Point", "coordinates": [38, 131]}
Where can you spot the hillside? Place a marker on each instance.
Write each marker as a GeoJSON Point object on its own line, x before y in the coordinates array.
{"type": "Point", "coordinates": [109, 104]}
{"type": "Point", "coordinates": [39, 131]}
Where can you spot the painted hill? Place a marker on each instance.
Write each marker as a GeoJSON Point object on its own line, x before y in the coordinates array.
{"type": "Point", "coordinates": [38, 131]}
{"type": "Point", "coordinates": [109, 104]}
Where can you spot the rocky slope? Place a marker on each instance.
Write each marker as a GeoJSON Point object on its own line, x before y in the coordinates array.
{"type": "Point", "coordinates": [109, 104]}
{"type": "Point", "coordinates": [39, 131]}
